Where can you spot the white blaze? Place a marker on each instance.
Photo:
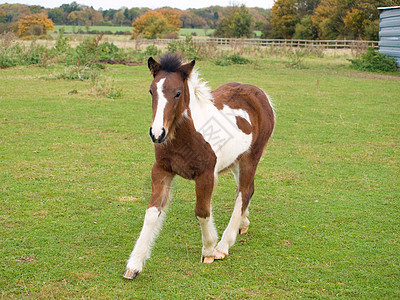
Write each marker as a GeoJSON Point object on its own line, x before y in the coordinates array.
{"type": "Point", "coordinates": [158, 123]}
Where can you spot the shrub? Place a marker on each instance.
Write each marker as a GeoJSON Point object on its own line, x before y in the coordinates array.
{"type": "Point", "coordinates": [107, 51]}
{"type": "Point", "coordinates": [99, 87]}
{"type": "Point", "coordinates": [62, 43]}
{"type": "Point", "coordinates": [79, 73]}
{"type": "Point", "coordinates": [186, 48]}
{"type": "Point", "coordinates": [233, 59]}
{"type": "Point", "coordinates": [152, 50]}
{"type": "Point", "coordinates": [373, 61]}
{"type": "Point", "coordinates": [238, 60]}
{"type": "Point", "coordinates": [15, 54]}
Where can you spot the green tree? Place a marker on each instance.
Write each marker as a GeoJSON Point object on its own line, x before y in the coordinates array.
{"type": "Point", "coordinates": [56, 15]}
{"type": "Point", "coordinates": [328, 19]}
{"type": "Point", "coordinates": [284, 18]}
{"type": "Point", "coordinates": [36, 9]}
{"type": "Point", "coordinates": [68, 8]}
{"type": "Point", "coordinates": [119, 18]}
{"type": "Point", "coordinates": [133, 13]}
{"type": "Point", "coordinates": [237, 24]}
{"type": "Point", "coordinates": [305, 30]}
{"type": "Point", "coordinates": [307, 7]}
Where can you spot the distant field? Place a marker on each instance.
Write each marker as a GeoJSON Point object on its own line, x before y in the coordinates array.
{"type": "Point", "coordinates": [197, 31]}
{"type": "Point", "coordinates": [71, 29]}
{"type": "Point", "coordinates": [113, 29]}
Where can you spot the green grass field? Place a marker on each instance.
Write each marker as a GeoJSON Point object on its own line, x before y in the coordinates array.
{"type": "Point", "coordinates": [74, 185]}
{"type": "Point", "coordinates": [113, 29]}
{"type": "Point", "coordinates": [71, 29]}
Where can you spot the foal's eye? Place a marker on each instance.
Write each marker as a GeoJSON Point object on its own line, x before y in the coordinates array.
{"type": "Point", "coordinates": [178, 94]}
{"type": "Point", "coordinates": [151, 93]}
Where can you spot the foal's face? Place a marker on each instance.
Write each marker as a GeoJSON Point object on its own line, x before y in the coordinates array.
{"type": "Point", "coordinates": [170, 94]}
{"type": "Point", "coordinates": [167, 90]}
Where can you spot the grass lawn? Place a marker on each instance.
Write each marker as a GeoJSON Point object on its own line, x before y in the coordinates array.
{"type": "Point", "coordinates": [74, 185]}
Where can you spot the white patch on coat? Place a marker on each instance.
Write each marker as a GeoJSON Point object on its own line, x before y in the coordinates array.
{"type": "Point", "coordinates": [158, 123]}
{"type": "Point", "coordinates": [218, 127]}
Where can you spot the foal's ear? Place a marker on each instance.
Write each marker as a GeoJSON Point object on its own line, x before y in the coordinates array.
{"type": "Point", "coordinates": [187, 69]}
{"type": "Point", "coordinates": [153, 66]}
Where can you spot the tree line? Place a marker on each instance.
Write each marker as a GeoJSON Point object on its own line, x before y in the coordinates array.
{"type": "Point", "coordinates": [326, 19]}
{"type": "Point", "coordinates": [299, 19]}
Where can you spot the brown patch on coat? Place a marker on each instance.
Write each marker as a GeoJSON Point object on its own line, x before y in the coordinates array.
{"type": "Point", "coordinates": [243, 125]}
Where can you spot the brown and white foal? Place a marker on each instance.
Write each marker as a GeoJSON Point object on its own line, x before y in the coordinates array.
{"type": "Point", "coordinates": [198, 134]}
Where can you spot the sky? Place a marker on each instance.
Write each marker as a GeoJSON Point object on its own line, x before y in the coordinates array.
{"type": "Point", "coordinates": [116, 4]}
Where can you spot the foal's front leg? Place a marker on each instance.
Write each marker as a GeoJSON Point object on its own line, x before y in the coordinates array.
{"type": "Point", "coordinates": [160, 184]}
{"type": "Point", "coordinates": [204, 189]}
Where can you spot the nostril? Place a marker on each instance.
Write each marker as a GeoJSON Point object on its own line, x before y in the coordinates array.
{"type": "Point", "coordinates": [151, 134]}
{"type": "Point", "coordinates": [162, 136]}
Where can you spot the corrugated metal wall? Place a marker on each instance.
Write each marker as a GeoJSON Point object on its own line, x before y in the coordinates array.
{"type": "Point", "coordinates": [389, 32]}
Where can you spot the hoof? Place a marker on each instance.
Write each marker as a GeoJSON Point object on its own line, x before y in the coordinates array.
{"type": "Point", "coordinates": [243, 230]}
{"type": "Point", "coordinates": [131, 274]}
{"type": "Point", "coordinates": [220, 255]}
{"type": "Point", "coordinates": [207, 259]}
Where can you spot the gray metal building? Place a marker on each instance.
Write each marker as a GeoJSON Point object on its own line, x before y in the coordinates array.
{"type": "Point", "coordinates": [389, 32]}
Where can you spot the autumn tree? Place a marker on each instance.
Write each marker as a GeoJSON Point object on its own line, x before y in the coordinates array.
{"type": "Point", "coordinates": [37, 24]}
{"type": "Point", "coordinates": [351, 19]}
{"type": "Point", "coordinates": [156, 23]}
{"type": "Point", "coordinates": [237, 24]}
{"type": "Point", "coordinates": [173, 16]}
{"type": "Point", "coordinates": [191, 20]}
{"type": "Point", "coordinates": [284, 18]}
{"type": "Point", "coordinates": [211, 15]}
{"type": "Point", "coordinates": [3, 15]}
{"type": "Point", "coordinates": [328, 19]}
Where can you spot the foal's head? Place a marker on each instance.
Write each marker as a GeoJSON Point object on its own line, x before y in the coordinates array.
{"type": "Point", "coordinates": [170, 94]}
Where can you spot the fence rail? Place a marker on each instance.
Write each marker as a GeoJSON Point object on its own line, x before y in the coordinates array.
{"type": "Point", "coordinates": [324, 44]}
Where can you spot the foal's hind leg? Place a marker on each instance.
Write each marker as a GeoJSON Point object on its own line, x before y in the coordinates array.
{"type": "Point", "coordinates": [239, 219]}
{"type": "Point", "coordinates": [244, 224]}
{"type": "Point", "coordinates": [160, 184]}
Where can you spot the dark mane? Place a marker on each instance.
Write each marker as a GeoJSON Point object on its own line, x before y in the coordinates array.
{"type": "Point", "coordinates": [170, 62]}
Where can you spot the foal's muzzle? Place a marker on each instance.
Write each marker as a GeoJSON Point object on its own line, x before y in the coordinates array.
{"type": "Point", "coordinates": [159, 139]}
